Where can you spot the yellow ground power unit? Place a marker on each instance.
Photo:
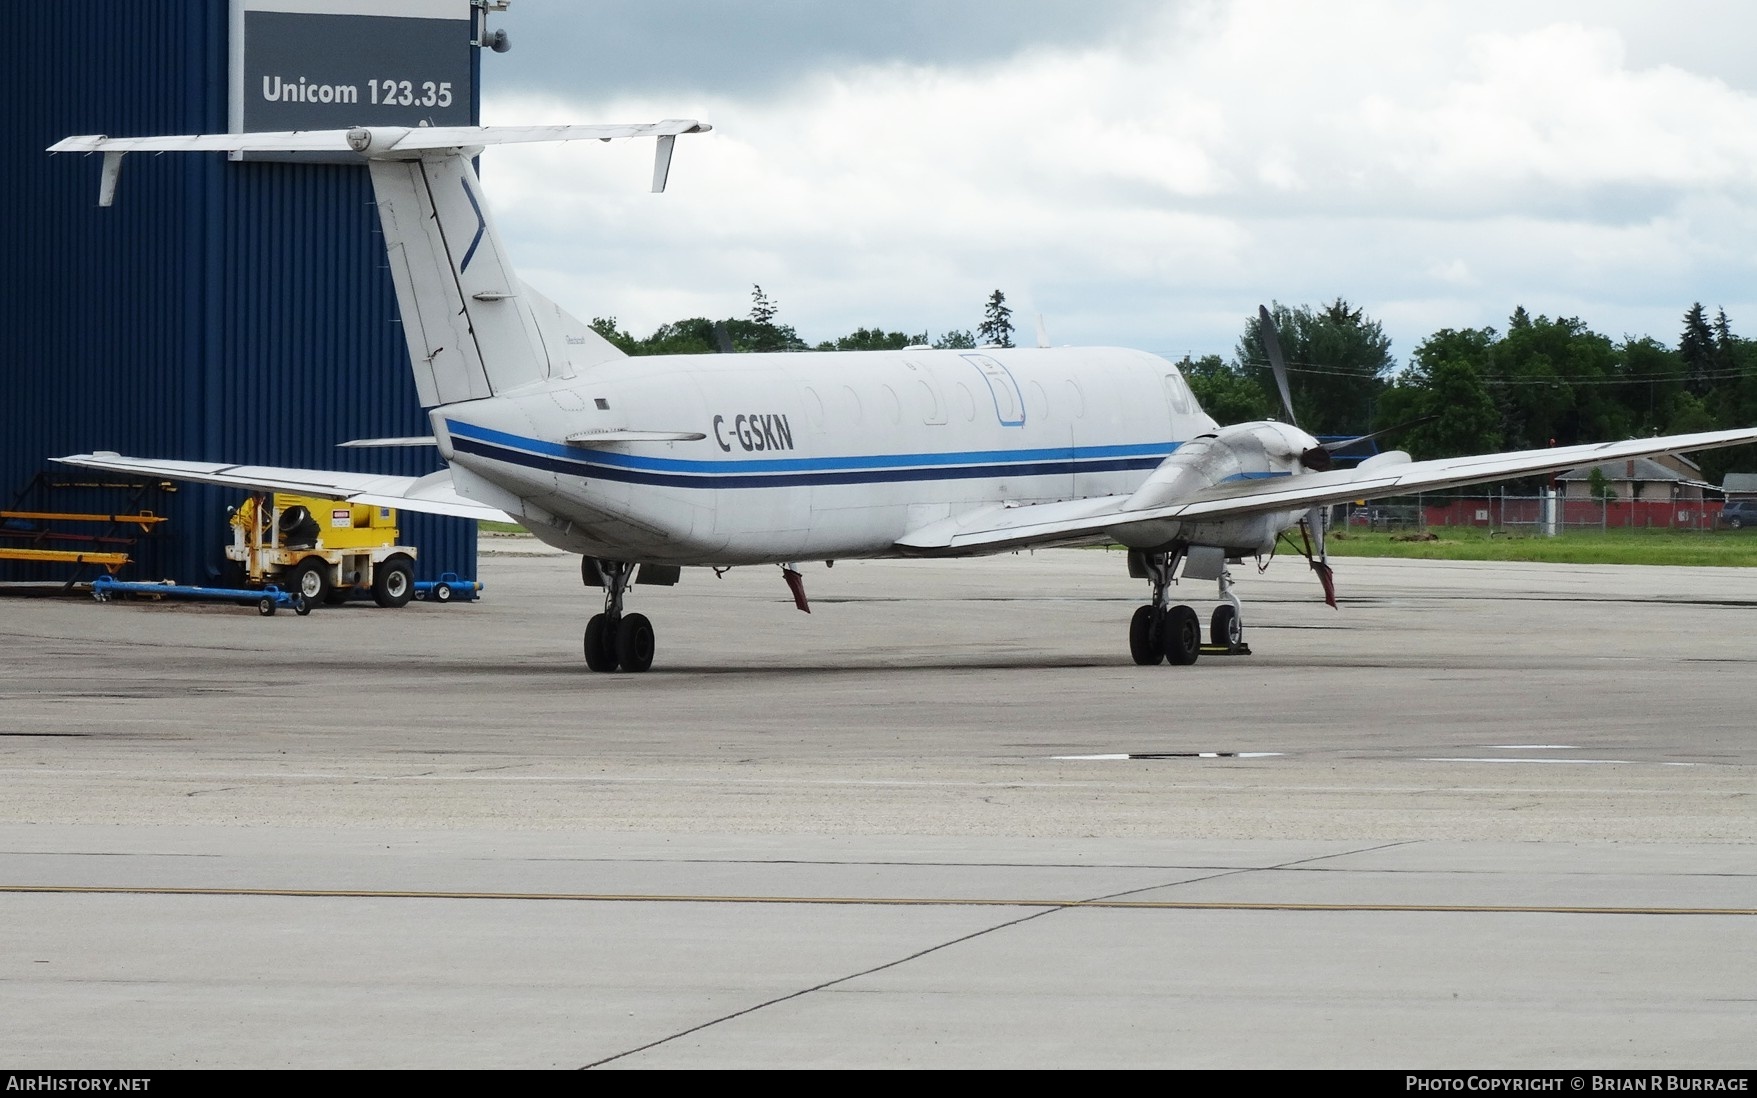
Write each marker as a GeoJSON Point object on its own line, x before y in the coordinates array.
{"type": "Point", "coordinates": [324, 550]}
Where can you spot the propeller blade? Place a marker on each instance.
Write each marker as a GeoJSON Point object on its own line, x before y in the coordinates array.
{"type": "Point", "coordinates": [1335, 447]}
{"type": "Point", "coordinates": [1272, 347]}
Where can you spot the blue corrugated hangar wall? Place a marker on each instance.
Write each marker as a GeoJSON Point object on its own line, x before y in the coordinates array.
{"type": "Point", "coordinates": [219, 311]}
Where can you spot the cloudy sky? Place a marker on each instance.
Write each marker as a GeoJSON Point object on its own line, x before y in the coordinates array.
{"type": "Point", "coordinates": [1139, 174]}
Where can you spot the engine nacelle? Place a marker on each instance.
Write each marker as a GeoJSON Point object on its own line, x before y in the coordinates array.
{"type": "Point", "coordinates": [1245, 451]}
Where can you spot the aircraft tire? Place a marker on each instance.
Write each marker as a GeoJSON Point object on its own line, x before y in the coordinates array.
{"type": "Point", "coordinates": [1182, 636]}
{"type": "Point", "coordinates": [600, 644]}
{"type": "Point", "coordinates": [634, 642]}
{"type": "Point", "coordinates": [1223, 627]}
{"type": "Point", "coordinates": [1144, 645]}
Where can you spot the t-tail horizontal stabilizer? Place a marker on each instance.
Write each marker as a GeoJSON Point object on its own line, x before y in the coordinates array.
{"type": "Point", "coordinates": [378, 143]}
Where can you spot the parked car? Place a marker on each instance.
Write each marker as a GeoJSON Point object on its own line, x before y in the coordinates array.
{"type": "Point", "coordinates": [1739, 513]}
{"type": "Point", "coordinates": [1385, 517]}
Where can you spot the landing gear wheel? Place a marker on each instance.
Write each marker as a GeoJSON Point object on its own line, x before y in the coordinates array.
{"type": "Point", "coordinates": [266, 606]}
{"type": "Point", "coordinates": [634, 642]}
{"type": "Point", "coordinates": [1182, 635]}
{"type": "Point", "coordinates": [1144, 638]}
{"type": "Point", "coordinates": [1224, 628]}
{"type": "Point", "coordinates": [600, 644]}
{"type": "Point", "coordinates": [394, 583]}
{"type": "Point", "coordinates": [442, 592]}
{"type": "Point", "coordinates": [309, 580]}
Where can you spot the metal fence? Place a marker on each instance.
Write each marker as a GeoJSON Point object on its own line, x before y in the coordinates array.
{"type": "Point", "coordinates": [1540, 514]}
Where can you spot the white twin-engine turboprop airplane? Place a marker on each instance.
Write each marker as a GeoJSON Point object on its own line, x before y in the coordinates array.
{"type": "Point", "coordinates": [645, 465]}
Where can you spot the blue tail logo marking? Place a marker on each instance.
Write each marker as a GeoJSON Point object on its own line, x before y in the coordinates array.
{"type": "Point", "coordinates": [481, 227]}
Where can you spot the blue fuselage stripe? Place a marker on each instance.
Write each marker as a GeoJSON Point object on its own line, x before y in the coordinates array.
{"type": "Point", "coordinates": [794, 472]}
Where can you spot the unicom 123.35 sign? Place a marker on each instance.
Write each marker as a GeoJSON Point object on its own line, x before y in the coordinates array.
{"type": "Point", "coordinates": [334, 64]}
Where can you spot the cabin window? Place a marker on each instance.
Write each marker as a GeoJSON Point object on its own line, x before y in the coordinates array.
{"type": "Point", "coordinates": [892, 404]}
{"type": "Point", "coordinates": [1075, 399]}
{"type": "Point", "coordinates": [966, 402]}
{"type": "Point", "coordinates": [932, 411]}
{"type": "Point", "coordinates": [1177, 394]}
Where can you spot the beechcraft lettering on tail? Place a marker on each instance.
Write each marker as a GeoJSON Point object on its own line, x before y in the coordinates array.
{"type": "Point", "coordinates": [907, 453]}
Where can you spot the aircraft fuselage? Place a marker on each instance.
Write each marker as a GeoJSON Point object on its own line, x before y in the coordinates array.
{"type": "Point", "coordinates": [819, 456]}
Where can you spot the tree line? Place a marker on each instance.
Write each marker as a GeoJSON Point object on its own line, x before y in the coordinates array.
{"type": "Point", "coordinates": [759, 331]}
{"type": "Point", "coordinates": [1540, 382]}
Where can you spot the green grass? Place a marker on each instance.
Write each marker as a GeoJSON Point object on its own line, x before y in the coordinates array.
{"type": "Point", "coordinates": [1720, 548]}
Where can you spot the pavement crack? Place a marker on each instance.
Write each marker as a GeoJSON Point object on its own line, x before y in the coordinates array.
{"type": "Point", "coordinates": [826, 985]}
{"type": "Point", "coordinates": [958, 941]}
{"type": "Point", "coordinates": [1237, 870]}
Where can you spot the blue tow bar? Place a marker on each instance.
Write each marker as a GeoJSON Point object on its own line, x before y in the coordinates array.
{"type": "Point", "coordinates": [267, 600]}
{"type": "Point", "coordinates": [447, 587]}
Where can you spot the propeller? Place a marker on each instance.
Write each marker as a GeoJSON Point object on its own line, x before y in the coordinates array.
{"type": "Point", "coordinates": [1317, 459]}
{"type": "Point", "coordinates": [1343, 444]}
{"type": "Point", "coordinates": [1272, 347]}
{"type": "Point", "coordinates": [1312, 459]}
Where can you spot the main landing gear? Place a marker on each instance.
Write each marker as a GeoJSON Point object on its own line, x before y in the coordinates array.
{"type": "Point", "coordinates": [1161, 632]}
{"type": "Point", "coordinates": [615, 639]}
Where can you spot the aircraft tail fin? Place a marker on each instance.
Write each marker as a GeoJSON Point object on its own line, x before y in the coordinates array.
{"type": "Point", "coordinates": [468, 336]}
{"type": "Point", "coordinates": [472, 328]}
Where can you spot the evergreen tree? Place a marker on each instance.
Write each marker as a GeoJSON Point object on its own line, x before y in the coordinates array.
{"type": "Point", "coordinates": [997, 322]}
{"type": "Point", "coordinates": [762, 310]}
{"type": "Point", "coordinates": [956, 339]}
{"type": "Point", "coordinates": [1696, 347]}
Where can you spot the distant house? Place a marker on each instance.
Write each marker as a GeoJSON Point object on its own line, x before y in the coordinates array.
{"type": "Point", "coordinates": [1662, 477]}
{"type": "Point", "coordinates": [1740, 486]}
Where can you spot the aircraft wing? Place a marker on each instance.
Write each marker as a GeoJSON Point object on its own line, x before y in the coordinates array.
{"type": "Point", "coordinates": [432, 494]}
{"type": "Point", "coordinates": [995, 529]}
